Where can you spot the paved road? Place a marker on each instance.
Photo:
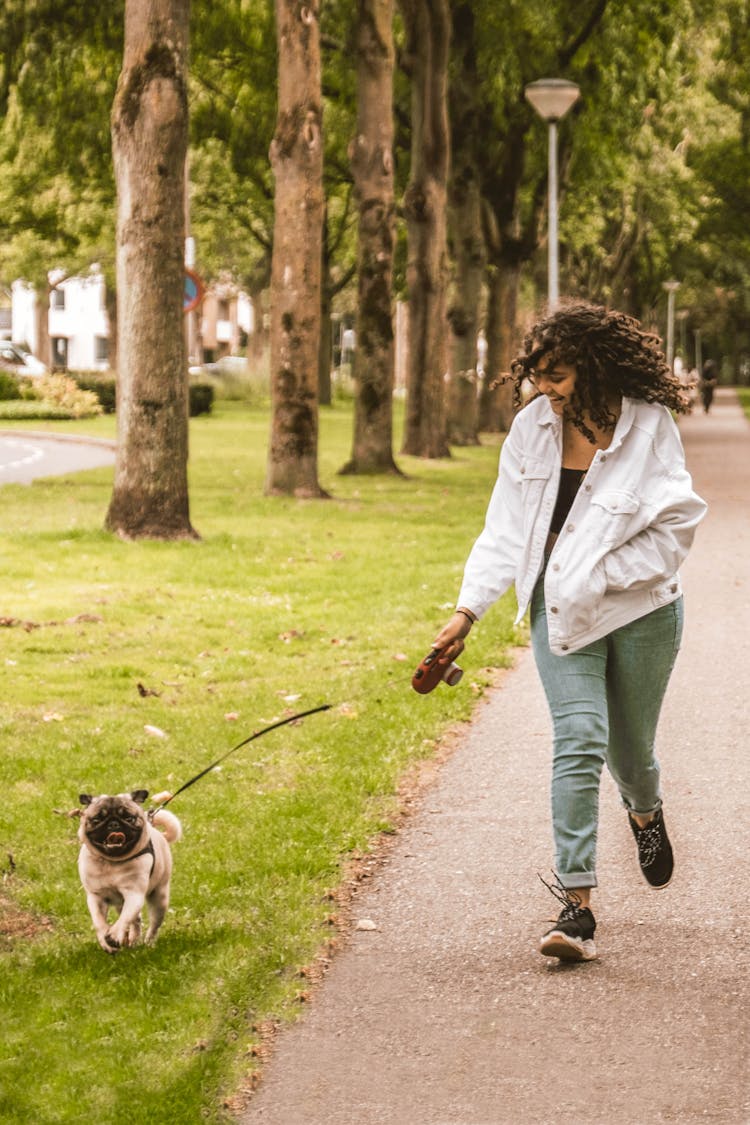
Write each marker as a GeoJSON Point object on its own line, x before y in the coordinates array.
{"type": "Point", "coordinates": [446, 1014]}
{"type": "Point", "coordinates": [24, 457]}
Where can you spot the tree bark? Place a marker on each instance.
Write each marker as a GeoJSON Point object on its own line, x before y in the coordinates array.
{"type": "Point", "coordinates": [427, 24]}
{"type": "Point", "coordinates": [43, 341]}
{"type": "Point", "coordinates": [297, 162]}
{"type": "Point", "coordinates": [110, 297]}
{"type": "Point", "coordinates": [466, 233]}
{"type": "Point", "coordinates": [325, 340]}
{"type": "Point", "coordinates": [496, 398]}
{"type": "Point", "coordinates": [149, 135]}
{"type": "Point", "coordinates": [371, 154]}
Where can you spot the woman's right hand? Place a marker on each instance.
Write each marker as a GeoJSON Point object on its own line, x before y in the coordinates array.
{"type": "Point", "coordinates": [451, 637]}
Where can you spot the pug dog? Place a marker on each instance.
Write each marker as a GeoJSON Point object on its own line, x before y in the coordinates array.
{"type": "Point", "coordinates": [125, 863]}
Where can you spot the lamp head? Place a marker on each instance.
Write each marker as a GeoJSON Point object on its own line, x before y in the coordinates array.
{"type": "Point", "coordinates": [552, 97]}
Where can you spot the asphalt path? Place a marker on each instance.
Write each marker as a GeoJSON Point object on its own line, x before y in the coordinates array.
{"type": "Point", "coordinates": [440, 1011]}
{"type": "Point", "coordinates": [25, 457]}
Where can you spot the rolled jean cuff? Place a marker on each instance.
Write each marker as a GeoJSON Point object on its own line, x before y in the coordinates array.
{"type": "Point", "coordinates": [643, 812]}
{"type": "Point", "coordinates": [573, 880]}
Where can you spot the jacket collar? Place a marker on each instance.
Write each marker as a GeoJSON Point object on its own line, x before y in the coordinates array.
{"type": "Point", "coordinates": [547, 417]}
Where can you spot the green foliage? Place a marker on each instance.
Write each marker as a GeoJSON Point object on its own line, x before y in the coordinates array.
{"type": "Point", "coordinates": [32, 408]}
{"type": "Point", "coordinates": [104, 388]}
{"type": "Point", "coordinates": [232, 120]}
{"type": "Point", "coordinates": [9, 386]}
{"type": "Point", "coordinates": [57, 186]}
{"type": "Point", "coordinates": [103, 385]}
{"type": "Point", "coordinates": [201, 398]}
{"type": "Point", "coordinates": [282, 605]}
{"type": "Point", "coordinates": [59, 390]}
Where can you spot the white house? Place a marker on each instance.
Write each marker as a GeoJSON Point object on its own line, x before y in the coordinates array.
{"type": "Point", "coordinates": [79, 325]}
{"type": "Point", "coordinates": [77, 318]}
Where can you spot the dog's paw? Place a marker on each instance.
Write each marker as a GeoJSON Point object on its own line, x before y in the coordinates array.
{"type": "Point", "coordinates": [112, 944]}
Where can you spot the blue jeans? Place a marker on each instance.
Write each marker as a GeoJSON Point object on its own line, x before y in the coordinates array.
{"type": "Point", "coordinates": [605, 701]}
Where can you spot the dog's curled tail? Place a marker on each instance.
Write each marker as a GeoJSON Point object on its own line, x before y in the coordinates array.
{"type": "Point", "coordinates": [169, 824]}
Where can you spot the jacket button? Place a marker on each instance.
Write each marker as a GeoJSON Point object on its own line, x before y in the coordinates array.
{"type": "Point", "coordinates": [563, 648]}
{"type": "Point", "coordinates": [673, 588]}
{"type": "Point", "coordinates": [587, 488]}
{"type": "Point", "coordinates": [553, 609]}
{"type": "Point", "coordinates": [603, 458]}
{"type": "Point", "coordinates": [555, 566]}
{"type": "Point", "coordinates": [523, 469]}
{"type": "Point", "coordinates": [570, 527]}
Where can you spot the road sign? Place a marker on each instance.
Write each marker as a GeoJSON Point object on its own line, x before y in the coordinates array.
{"type": "Point", "coordinates": [194, 291]}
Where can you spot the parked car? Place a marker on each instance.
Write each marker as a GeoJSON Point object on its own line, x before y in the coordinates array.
{"type": "Point", "coordinates": [18, 362]}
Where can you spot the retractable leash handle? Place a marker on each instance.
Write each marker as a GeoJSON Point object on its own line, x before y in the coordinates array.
{"type": "Point", "coordinates": [432, 670]}
{"type": "Point", "coordinates": [251, 738]}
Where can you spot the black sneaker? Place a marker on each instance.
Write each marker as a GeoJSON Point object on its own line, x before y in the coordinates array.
{"type": "Point", "coordinates": [572, 936]}
{"type": "Point", "coordinates": [654, 850]}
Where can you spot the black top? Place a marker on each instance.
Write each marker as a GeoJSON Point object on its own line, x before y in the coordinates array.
{"type": "Point", "coordinates": [570, 482]}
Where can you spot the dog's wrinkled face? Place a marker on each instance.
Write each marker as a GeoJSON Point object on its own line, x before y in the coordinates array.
{"type": "Point", "coordinates": [113, 826]}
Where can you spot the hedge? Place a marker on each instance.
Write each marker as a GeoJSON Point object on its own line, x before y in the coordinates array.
{"type": "Point", "coordinates": [104, 386]}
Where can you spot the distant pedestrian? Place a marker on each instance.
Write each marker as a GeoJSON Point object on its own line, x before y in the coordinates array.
{"type": "Point", "coordinates": [709, 379]}
{"type": "Point", "coordinates": [591, 516]}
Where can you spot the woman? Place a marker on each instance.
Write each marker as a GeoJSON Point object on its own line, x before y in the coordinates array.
{"type": "Point", "coordinates": [591, 516]}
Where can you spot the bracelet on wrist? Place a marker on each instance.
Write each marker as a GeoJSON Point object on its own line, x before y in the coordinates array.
{"type": "Point", "coordinates": [468, 614]}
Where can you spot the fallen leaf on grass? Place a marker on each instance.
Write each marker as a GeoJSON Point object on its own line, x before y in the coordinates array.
{"type": "Point", "coordinates": [157, 732]}
{"type": "Point", "coordinates": [144, 691]}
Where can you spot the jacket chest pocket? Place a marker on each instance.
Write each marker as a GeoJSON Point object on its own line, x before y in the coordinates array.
{"type": "Point", "coordinates": [615, 515]}
{"type": "Point", "coordinates": [533, 483]}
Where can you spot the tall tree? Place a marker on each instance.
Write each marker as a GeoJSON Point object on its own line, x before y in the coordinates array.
{"type": "Point", "coordinates": [468, 251]}
{"type": "Point", "coordinates": [427, 25]}
{"type": "Point", "coordinates": [371, 154]}
{"type": "Point", "coordinates": [297, 162]}
{"type": "Point", "coordinates": [149, 137]}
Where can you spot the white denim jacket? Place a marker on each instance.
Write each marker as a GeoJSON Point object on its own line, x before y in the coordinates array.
{"type": "Point", "coordinates": [629, 529]}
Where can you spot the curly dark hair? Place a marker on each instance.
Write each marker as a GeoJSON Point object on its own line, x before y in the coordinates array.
{"type": "Point", "coordinates": [612, 354]}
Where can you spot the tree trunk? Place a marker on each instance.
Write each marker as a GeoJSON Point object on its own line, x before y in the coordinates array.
{"type": "Point", "coordinates": [110, 297]}
{"type": "Point", "coordinates": [325, 345]}
{"type": "Point", "coordinates": [371, 154]}
{"type": "Point", "coordinates": [149, 135]}
{"type": "Point", "coordinates": [257, 343]}
{"type": "Point", "coordinates": [41, 312]}
{"type": "Point", "coordinates": [427, 24]}
{"type": "Point", "coordinates": [297, 162]}
{"type": "Point", "coordinates": [496, 400]}
{"type": "Point", "coordinates": [466, 232]}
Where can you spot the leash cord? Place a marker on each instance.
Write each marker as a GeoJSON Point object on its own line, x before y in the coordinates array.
{"type": "Point", "coordinates": [251, 738]}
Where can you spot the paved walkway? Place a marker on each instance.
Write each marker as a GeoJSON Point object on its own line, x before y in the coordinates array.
{"type": "Point", "coordinates": [27, 455]}
{"type": "Point", "coordinates": [446, 1014]}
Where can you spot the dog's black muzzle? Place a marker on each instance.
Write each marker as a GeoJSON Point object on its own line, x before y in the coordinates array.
{"type": "Point", "coordinates": [115, 835]}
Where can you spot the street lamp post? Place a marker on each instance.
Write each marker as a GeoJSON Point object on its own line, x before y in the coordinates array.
{"type": "Point", "coordinates": [698, 350]}
{"type": "Point", "coordinates": [552, 98]}
{"type": "Point", "coordinates": [671, 288]}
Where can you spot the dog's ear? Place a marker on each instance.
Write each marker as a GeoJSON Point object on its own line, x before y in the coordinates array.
{"type": "Point", "coordinates": [139, 795]}
{"type": "Point", "coordinates": [85, 798]}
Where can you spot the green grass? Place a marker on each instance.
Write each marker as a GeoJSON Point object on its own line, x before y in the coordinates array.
{"type": "Point", "coordinates": [282, 605]}
{"type": "Point", "coordinates": [744, 397]}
